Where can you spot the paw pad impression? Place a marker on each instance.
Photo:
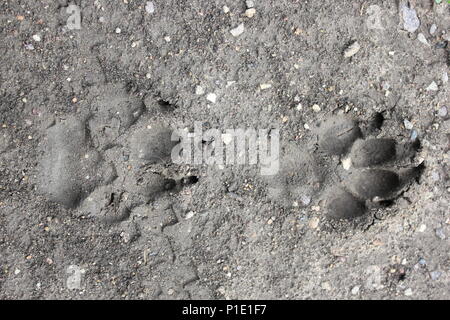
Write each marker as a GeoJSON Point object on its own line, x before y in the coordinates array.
{"type": "Point", "coordinates": [375, 175]}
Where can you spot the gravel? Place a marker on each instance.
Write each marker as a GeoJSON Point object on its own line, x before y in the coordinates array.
{"type": "Point", "coordinates": [432, 87]}
{"type": "Point", "coordinates": [352, 49]}
{"type": "Point", "coordinates": [442, 112]}
{"type": "Point", "coordinates": [440, 233]}
{"type": "Point", "coordinates": [238, 30]}
{"type": "Point", "coordinates": [150, 7]}
{"type": "Point", "coordinates": [410, 20]}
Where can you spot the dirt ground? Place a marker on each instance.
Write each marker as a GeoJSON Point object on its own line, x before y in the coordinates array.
{"type": "Point", "coordinates": [91, 208]}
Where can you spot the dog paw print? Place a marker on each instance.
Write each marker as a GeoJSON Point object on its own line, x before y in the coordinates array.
{"type": "Point", "coordinates": [112, 157]}
{"type": "Point", "coordinates": [351, 168]}
{"type": "Point", "coordinates": [376, 169]}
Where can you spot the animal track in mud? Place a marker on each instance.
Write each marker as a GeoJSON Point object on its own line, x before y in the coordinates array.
{"type": "Point", "coordinates": [111, 158]}
{"type": "Point", "coordinates": [377, 169]}
{"type": "Point", "coordinates": [112, 163]}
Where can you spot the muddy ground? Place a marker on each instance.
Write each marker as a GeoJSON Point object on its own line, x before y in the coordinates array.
{"type": "Point", "coordinates": [92, 208]}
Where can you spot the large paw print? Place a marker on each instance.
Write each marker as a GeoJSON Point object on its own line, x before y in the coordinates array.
{"type": "Point", "coordinates": [111, 158]}
{"type": "Point", "coordinates": [375, 170]}
{"type": "Point", "coordinates": [374, 173]}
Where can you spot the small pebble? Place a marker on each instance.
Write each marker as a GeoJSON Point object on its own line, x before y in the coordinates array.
{"type": "Point", "coordinates": [226, 9]}
{"type": "Point", "coordinates": [440, 233]}
{"type": "Point", "coordinates": [435, 176]}
{"type": "Point", "coordinates": [422, 262]}
{"type": "Point", "coordinates": [435, 275]}
{"type": "Point", "coordinates": [355, 290]}
{"type": "Point", "coordinates": [250, 12]}
{"type": "Point", "coordinates": [346, 163]}
{"type": "Point", "coordinates": [29, 46]}
{"type": "Point", "coordinates": [422, 228]}
{"type": "Point", "coordinates": [445, 77]}
{"type": "Point", "coordinates": [250, 3]}
{"type": "Point", "coordinates": [408, 292]}
{"type": "Point", "coordinates": [37, 38]}
{"type": "Point", "coordinates": [422, 39]}
{"type": "Point", "coordinates": [167, 38]}
{"type": "Point", "coordinates": [150, 7]}
{"type": "Point", "coordinates": [265, 86]}
{"type": "Point", "coordinates": [199, 90]}
{"type": "Point", "coordinates": [432, 87]}
{"type": "Point", "coordinates": [238, 30]}
{"type": "Point", "coordinates": [212, 97]}
{"type": "Point", "coordinates": [414, 135]}
{"type": "Point", "coordinates": [314, 223]}
{"type": "Point", "coordinates": [433, 28]}
{"type": "Point", "coordinates": [118, 30]}
{"type": "Point", "coordinates": [443, 112]}
{"type": "Point", "coordinates": [410, 20]}
{"type": "Point", "coordinates": [326, 286]}
{"type": "Point", "coordinates": [316, 108]}
{"type": "Point", "coordinates": [306, 200]}
{"type": "Point", "coordinates": [408, 124]}
{"type": "Point", "coordinates": [352, 49]}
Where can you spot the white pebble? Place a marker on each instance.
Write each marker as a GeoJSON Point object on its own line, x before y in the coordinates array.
{"type": "Point", "coordinates": [265, 86]}
{"type": "Point", "coordinates": [410, 20]}
{"type": "Point", "coordinates": [347, 163]}
{"type": "Point", "coordinates": [432, 87]}
{"type": "Point", "coordinates": [408, 292]}
{"type": "Point", "coordinates": [352, 49]}
{"type": "Point", "coordinates": [355, 290]}
{"type": "Point", "coordinates": [226, 9]}
{"type": "Point", "coordinates": [250, 3]}
{"type": "Point", "coordinates": [238, 30]}
{"type": "Point", "coordinates": [433, 28]}
{"type": "Point", "coordinates": [118, 30]}
{"type": "Point", "coordinates": [445, 77]}
{"type": "Point", "coordinates": [316, 108]}
{"type": "Point", "coordinates": [212, 97]}
{"type": "Point", "coordinates": [422, 39]}
{"type": "Point", "coordinates": [422, 228]}
{"type": "Point", "coordinates": [250, 12]}
{"type": "Point", "coordinates": [150, 7]}
{"type": "Point", "coordinates": [37, 38]}
{"type": "Point", "coordinates": [199, 90]}
{"type": "Point", "coordinates": [408, 124]}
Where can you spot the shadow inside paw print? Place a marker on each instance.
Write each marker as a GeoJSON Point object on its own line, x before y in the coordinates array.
{"type": "Point", "coordinates": [374, 172]}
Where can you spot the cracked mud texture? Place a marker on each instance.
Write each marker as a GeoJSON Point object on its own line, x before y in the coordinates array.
{"type": "Point", "coordinates": [81, 194]}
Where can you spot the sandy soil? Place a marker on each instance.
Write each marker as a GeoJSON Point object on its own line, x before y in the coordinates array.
{"type": "Point", "coordinates": [93, 207]}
